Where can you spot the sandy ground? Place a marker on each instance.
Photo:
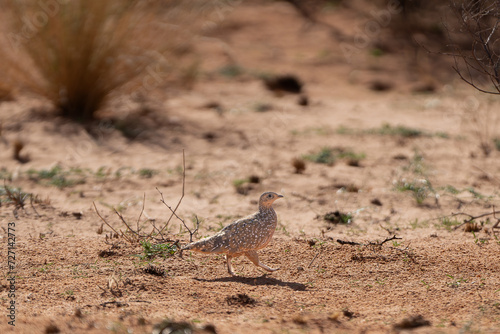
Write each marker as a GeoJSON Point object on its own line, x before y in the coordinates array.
{"type": "Point", "coordinates": [70, 278]}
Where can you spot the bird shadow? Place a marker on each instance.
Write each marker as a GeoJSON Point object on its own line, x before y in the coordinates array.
{"type": "Point", "coordinates": [260, 280]}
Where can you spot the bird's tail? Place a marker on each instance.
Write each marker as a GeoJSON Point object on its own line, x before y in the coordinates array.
{"type": "Point", "coordinates": [214, 244]}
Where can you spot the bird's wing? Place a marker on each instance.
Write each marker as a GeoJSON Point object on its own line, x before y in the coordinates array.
{"type": "Point", "coordinates": [241, 223]}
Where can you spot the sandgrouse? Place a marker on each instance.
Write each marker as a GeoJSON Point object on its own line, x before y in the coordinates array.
{"type": "Point", "coordinates": [244, 236]}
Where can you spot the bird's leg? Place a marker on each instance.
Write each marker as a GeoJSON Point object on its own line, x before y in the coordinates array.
{"type": "Point", "coordinates": [252, 256]}
{"type": "Point", "coordinates": [229, 266]}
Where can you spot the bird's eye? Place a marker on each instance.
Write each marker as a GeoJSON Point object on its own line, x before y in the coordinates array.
{"type": "Point", "coordinates": [269, 195]}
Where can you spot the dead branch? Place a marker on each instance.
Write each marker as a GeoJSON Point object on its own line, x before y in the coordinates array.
{"type": "Point", "coordinates": [174, 211]}
{"type": "Point", "coordinates": [115, 302]}
{"type": "Point", "coordinates": [111, 227]}
{"type": "Point", "coordinates": [191, 233]}
{"type": "Point", "coordinates": [180, 199]}
{"type": "Point", "coordinates": [32, 206]}
{"type": "Point", "coordinates": [386, 229]}
{"type": "Point", "coordinates": [472, 218]}
{"type": "Point", "coordinates": [132, 235]}
{"type": "Point", "coordinates": [125, 223]}
{"type": "Point", "coordinates": [386, 239]}
{"type": "Point", "coordinates": [314, 258]}
{"type": "Point", "coordinates": [479, 20]}
{"type": "Point", "coordinates": [352, 243]}
{"type": "Point", "coordinates": [142, 210]}
{"type": "Point", "coordinates": [371, 243]}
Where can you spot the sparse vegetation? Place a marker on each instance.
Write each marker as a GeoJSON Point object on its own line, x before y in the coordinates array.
{"type": "Point", "coordinates": [391, 130]}
{"type": "Point", "coordinates": [420, 189]}
{"type": "Point", "coordinates": [496, 142]}
{"type": "Point", "coordinates": [243, 186]}
{"type": "Point", "coordinates": [147, 173]}
{"type": "Point", "coordinates": [399, 130]}
{"type": "Point", "coordinates": [329, 155]}
{"type": "Point", "coordinates": [455, 282]}
{"type": "Point", "coordinates": [448, 222]}
{"type": "Point", "coordinates": [417, 181]}
{"type": "Point", "coordinates": [58, 177]}
{"type": "Point", "coordinates": [14, 195]}
{"type": "Point", "coordinates": [262, 107]}
{"type": "Point", "coordinates": [231, 71]}
{"type": "Point", "coordinates": [337, 217]}
{"type": "Point", "coordinates": [325, 156]}
{"type": "Point", "coordinates": [150, 250]}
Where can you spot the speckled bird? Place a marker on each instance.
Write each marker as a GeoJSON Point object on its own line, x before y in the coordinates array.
{"type": "Point", "coordinates": [244, 236]}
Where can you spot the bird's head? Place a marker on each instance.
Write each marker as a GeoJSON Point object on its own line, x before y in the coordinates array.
{"type": "Point", "coordinates": [267, 199]}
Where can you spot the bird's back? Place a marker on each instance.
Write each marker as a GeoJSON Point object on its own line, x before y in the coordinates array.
{"type": "Point", "coordinates": [249, 233]}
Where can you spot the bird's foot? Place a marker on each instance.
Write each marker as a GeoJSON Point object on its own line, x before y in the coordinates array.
{"type": "Point", "coordinates": [263, 266]}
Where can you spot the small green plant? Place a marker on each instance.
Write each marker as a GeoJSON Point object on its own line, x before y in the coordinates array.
{"type": "Point", "coordinates": [496, 141]}
{"type": "Point", "coordinates": [231, 71]}
{"type": "Point", "coordinates": [329, 155]}
{"type": "Point", "coordinates": [376, 52]}
{"type": "Point", "coordinates": [344, 130]}
{"type": "Point", "coordinates": [147, 173]}
{"type": "Point", "coordinates": [337, 217]}
{"type": "Point", "coordinates": [46, 267]}
{"type": "Point", "coordinates": [283, 229]}
{"type": "Point", "coordinates": [455, 283]}
{"type": "Point", "coordinates": [417, 224]}
{"type": "Point", "coordinates": [14, 195]}
{"type": "Point", "coordinates": [68, 293]}
{"type": "Point", "coordinates": [325, 156]}
{"type": "Point", "coordinates": [390, 130]}
{"type": "Point", "coordinates": [476, 194]}
{"type": "Point", "coordinates": [417, 183]}
{"type": "Point", "coordinates": [420, 189]}
{"type": "Point", "coordinates": [5, 174]}
{"type": "Point", "coordinates": [239, 182]}
{"type": "Point", "coordinates": [262, 107]}
{"type": "Point", "coordinates": [58, 177]}
{"type": "Point", "coordinates": [400, 130]}
{"type": "Point", "coordinates": [451, 189]}
{"type": "Point", "coordinates": [103, 172]}
{"type": "Point", "coordinates": [477, 240]}
{"type": "Point", "coordinates": [449, 223]}
{"type": "Point", "coordinates": [316, 130]}
{"type": "Point", "coordinates": [427, 286]}
{"type": "Point", "coordinates": [150, 251]}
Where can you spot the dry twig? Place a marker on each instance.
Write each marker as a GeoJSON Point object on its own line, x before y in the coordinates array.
{"type": "Point", "coordinates": [472, 218]}
{"type": "Point", "coordinates": [173, 211]}
{"type": "Point", "coordinates": [371, 243]}
{"type": "Point", "coordinates": [111, 227]}
{"type": "Point", "coordinates": [132, 235]}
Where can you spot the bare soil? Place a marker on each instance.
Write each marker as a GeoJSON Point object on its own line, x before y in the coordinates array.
{"type": "Point", "coordinates": [71, 279]}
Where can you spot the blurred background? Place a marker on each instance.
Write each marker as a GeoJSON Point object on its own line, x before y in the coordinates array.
{"type": "Point", "coordinates": [80, 55]}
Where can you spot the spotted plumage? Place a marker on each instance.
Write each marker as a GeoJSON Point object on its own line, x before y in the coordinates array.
{"type": "Point", "coordinates": [244, 236]}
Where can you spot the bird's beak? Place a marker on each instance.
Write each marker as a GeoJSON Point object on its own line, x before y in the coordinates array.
{"type": "Point", "coordinates": [281, 196]}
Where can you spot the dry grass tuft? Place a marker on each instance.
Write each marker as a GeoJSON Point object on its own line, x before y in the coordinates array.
{"type": "Point", "coordinates": [79, 53]}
